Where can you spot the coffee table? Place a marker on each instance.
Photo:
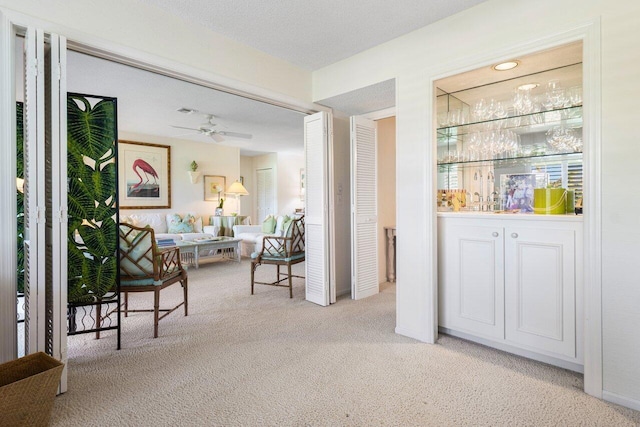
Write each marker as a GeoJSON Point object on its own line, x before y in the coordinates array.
{"type": "Point", "coordinates": [229, 248]}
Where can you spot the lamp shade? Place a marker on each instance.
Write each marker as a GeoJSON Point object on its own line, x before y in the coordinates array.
{"type": "Point", "coordinates": [238, 189]}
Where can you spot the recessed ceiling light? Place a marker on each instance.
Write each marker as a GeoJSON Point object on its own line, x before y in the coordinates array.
{"type": "Point", "coordinates": [185, 110]}
{"type": "Point", "coordinates": [506, 66]}
{"type": "Point", "coordinates": [528, 86]}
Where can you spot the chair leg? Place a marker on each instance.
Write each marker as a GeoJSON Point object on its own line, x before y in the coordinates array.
{"type": "Point", "coordinates": [156, 310]}
{"type": "Point", "coordinates": [278, 272]}
{"type": "Point", "coordinates": [126, 304]}
{"type": "Point", "coordinates": [290, 284]}
{"type": "Point", "coordinates": [253, 271]}
{"type": "Point", "coordinates": [186, 297]}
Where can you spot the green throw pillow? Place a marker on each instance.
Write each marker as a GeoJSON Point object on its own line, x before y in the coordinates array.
{"type": "Point", "coordinates": [286, 225]}
{"type": "Point", "coordinates": [179, 225]}
{"type": "Point", "coordinates": [269, 225]}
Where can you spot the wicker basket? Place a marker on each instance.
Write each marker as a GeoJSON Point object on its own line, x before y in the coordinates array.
{"type": "Point", "coordinates": [28, 386]}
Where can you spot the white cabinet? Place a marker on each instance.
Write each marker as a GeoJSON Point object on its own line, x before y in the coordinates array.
{"type": "Point", "coordinates": [512, 283]}
{"type": "Point", "coordinates": [540, 299]}
{"type": "Point", "coordinates": [471, 265]}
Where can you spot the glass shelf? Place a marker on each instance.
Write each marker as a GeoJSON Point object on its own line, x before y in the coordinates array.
{"type": "Point", "coordinates": [542, 158]}
{"type": "Point", "coordinates": [524, 123]}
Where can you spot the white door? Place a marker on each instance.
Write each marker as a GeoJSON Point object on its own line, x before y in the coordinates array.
{"type": "Point", "coordinates": [364, 209]}
{"type": "Point", "coordinates": [45, 170]}
{"type": "Point", "coordinates": [320, 289]}
{"type": "Point", "coordinates": [540, 292]}
{"type": "Point", "coordinates": [471, 278]}
{"type": "Point", "coordinates": [56, 225]}
{"type": "Point", "coordinates": [34, 192]}
{"type": "Point", "coordinates": [265, 193]}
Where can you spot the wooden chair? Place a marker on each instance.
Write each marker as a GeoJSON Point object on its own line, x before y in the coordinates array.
{"type": "Point", "coordinates": [287, 250]}
{"type": "Point", "coordinates": [144, 268]}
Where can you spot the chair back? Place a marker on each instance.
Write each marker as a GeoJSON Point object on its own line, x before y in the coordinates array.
{"type": "Point", "coordinates": [137, 253]}
{"type": "Point", "coordinates": [296, 233]}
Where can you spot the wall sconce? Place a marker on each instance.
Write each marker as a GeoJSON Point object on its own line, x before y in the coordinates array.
{"type": "Point", "coordinates": [193, 176]}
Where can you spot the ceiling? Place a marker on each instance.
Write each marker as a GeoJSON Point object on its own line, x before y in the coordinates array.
{"type": "Point", "coordinates": [312, 34]}
{"type": "Point", "coordinates": [309, 34]}
{"type": "Point", "coordinates": [148, 104]}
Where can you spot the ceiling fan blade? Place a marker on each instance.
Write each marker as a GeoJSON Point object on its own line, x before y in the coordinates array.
{"type": "Point", "coordinates": [236, 134]}
{"type": "Point", "coordinates": [216, 137]}
{"type": "Point", "coordinates": [182, 127]}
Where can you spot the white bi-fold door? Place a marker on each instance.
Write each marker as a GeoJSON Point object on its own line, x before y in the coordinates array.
{"type": "Point", "coordinates": [364, 209]}
{"type": "Point", "coordinates": [45, 174]}
{"type": "Point", "coordinates": [318, 141]}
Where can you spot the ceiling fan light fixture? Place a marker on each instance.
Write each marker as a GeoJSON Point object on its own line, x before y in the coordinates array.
{"type": "Point", "coordinates": [185, 110]}
{"type": "Point", "coordinates": [504, 66]}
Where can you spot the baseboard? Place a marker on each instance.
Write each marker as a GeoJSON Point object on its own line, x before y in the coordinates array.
{"type": "Point", "coordinates": [565, 364]}
{"type": "Point", "coordinates": [412, 334]}
{"type": "Point", "coordinates": [621, 400]}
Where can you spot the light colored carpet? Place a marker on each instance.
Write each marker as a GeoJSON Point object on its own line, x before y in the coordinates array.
{"type": "Point", "coordinates": [266, 360]}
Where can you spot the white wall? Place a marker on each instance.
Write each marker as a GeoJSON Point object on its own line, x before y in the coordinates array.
{"type": "Point", "coordinates": [151, 30]}
{"type": "Point", "coordinates": [286, 175]}
{"type": "Point", "coordinates": [477, 33]}
{"type": "Point", "coordinates": [246, 171]}
{"type": "Point", "coordinates": [289, 165]}
{"type": "Point", "coordinates": [212, 159]}
{"type": "Point", "coordinates": [386, 188]}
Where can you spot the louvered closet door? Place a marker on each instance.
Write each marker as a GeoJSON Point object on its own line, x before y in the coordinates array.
{"type": "Point", "coordinates": [364, 209]}
{"type": "Point", "coordinates": [56, 218]}
{"type": "Point", "coordinates": [45, 173]}
{"type": "Point", "coordinates": [265, 193]}
{"type": "Point", "coordinates": [34, 189]}
{"type": "Point", "coordinates": [317, 134]}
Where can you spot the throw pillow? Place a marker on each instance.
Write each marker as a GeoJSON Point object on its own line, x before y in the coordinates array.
{"type": "Point", "coordinates": [269, 225]}
{"type": "Point", "coordinates": [286, 225]}
{"type": "Point", "coordinates": [279, 231]}
{"type": "Point", "coordinates": [179, 225]}
{"type": "Point", "coordinates": [197, 225]}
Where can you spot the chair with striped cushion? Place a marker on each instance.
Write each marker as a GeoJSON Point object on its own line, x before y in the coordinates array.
{"type": "Point", "coordinates": [145, 268]}
{"type": "Point", "coordinates": [286, 250]}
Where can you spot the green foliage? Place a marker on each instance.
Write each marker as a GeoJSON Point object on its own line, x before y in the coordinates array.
{"type": "Point", "coordinates": [19, 195]}
{"type": "Point", "coordinates": [91, 169]}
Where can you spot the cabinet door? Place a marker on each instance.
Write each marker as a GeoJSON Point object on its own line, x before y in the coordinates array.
{"type": "Point", "coordinates": [540, 290]}
{"type": "Point", "coordinates": [471, 279]}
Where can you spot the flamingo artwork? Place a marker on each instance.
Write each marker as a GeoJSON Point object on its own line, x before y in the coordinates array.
{"type": "Point", "coordinates": [147, 169]}
{"type": "Point", "coordinates": [140, 166]}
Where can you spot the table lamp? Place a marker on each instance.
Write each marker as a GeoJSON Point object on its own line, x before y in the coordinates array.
{"type": "Point", "coordinates": [237, 189]}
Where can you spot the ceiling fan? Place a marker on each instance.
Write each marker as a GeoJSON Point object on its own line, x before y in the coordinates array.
{"type": "Point", "coordinates": [217, 135]}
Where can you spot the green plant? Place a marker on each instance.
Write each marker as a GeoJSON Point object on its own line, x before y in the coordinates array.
{"type": "Point", "coordinates": [194, 166]}
{"type": "Point", "coordinates": [20, 195]}
{"type": "Point", "coordinates": [91, 169]}
{"type": "Point", "coordinates": [221, 203]}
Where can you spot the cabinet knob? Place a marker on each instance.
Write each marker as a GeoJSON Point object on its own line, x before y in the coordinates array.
{"type": "Point", "coordinates": [495, 234]}
{"type": "Point", "coordinates": [514, 235]}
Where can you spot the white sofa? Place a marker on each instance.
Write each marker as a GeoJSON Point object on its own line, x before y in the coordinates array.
{"type": "Point", "coordinates": [252, 235]}
{"type": "Point", "coordinates": [158, 222]}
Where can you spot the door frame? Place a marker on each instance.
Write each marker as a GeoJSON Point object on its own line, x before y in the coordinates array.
{"type": "Point", "coordinates": [589, 34]}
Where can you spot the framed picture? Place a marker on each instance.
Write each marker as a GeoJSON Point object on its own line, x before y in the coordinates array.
{"type": "Point", "coordinates": [144, 175]}
{"type": "Point", "coordinates": [214, 187]}
{"type": "Point", "coordinates": [516, 190]}
{"type": "Point", "coordinates": [242, 180]}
